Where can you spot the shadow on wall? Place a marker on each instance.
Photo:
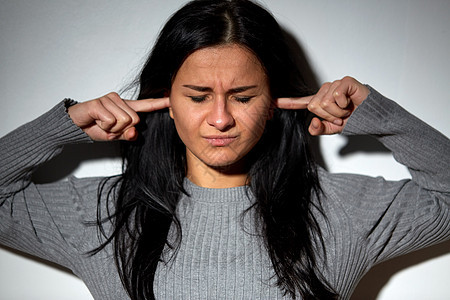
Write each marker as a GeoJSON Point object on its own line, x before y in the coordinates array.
{"type": "Point", "coordinates": [71, 157]}
{"type": "Point", "coordinates": [362, 143]}
{"type": "Point", "coordinates": [371, 284]}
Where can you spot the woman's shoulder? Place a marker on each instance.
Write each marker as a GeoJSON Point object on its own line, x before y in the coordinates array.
{"type": "Point", "coordinates": [85, 195]}
{"type": "Point", "coordinates": [357, 198]}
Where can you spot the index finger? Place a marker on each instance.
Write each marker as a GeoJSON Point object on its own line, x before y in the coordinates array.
{"type": "Point", "coordinates": [148, 105]}
{"type": "Point", "coordinates": [293, 103]}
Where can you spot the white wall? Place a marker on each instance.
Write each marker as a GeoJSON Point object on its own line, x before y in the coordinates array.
{"type": "Point", "coordinates": [50, 50]}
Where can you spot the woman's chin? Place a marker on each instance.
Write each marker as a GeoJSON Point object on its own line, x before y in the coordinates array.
{"type": "Point", "coordinates": [229, 166]}
{"type": "Point", "coordinates": [226, 161]}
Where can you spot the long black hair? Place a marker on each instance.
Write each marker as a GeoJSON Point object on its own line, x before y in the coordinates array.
{"type": "Point", "coordinates": [282, 175]}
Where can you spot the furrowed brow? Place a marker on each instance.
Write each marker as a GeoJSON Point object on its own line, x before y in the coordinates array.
{"type": "Point", "coordinates": [239, 89]}
{"type": "Point", "coordinates": [198, 88]}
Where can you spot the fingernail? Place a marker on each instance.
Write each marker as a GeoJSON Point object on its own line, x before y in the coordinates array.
{"type": "Point", "coordinates": [337, 122]}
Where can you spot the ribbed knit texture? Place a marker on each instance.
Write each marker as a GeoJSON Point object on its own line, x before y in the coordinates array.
{"type": "Point", "coordinates": [222, 256]}
{"type": "Point", "coordinates": [218, 259]}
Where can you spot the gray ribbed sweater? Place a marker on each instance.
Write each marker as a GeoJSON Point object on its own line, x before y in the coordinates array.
{"type": "Point", "coordinates": [369, 219]}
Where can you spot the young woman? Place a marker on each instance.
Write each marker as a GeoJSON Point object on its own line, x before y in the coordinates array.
{"type": "Point", "coordinates": [219, 196]}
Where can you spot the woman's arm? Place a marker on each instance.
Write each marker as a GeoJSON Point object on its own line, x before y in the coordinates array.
{"type": "Point", "coordinates": [45, 219]}
{"type": "Point", "coordinates": [371, 219]}
{"type": "Point", "coordinates": [398, 217]}
{"type": "Point", "coordinates": [386, 218]}
{"type": "Point", "coordinates": [32, 144]}
{"type": "Point", "coordinates": [28, 219]}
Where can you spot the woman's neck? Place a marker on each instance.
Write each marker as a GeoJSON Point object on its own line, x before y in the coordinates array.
{"type": "Point", "coordinates": [217, 180]}
{"type": "Point", "coordinates": [216, 177]}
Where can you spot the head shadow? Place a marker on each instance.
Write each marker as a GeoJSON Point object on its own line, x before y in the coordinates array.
{"type": "Point", "coordinates": [311, 81]}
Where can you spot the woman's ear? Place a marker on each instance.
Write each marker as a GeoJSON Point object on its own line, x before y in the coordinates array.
{"type": "Point", "coordinates": [170, 111]}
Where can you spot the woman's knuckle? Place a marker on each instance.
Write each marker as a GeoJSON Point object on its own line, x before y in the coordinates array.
{"type": "Point", "coordinates": [120, 121]}
{"type": "Point", "coordinates": [348, 78]}
{"type": "Point", "coordinates": [109, 120]}
{"type": "Point", "coordinates": [326, 85]}
{"type": "Point", "coordinates": [113, 95]}
{"type": "Point", "coordinates": [326, 103]}
{"type": "Point", "coordinates": [135, 120]}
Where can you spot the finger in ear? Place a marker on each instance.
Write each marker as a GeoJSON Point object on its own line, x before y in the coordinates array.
{"type": "Point", "coordinates": [167, 94]}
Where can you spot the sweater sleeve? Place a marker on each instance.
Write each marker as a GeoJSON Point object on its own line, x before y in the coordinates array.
{"type": "Point", "coordinates": [421, 148]}
{"type": "Point", "coordinates": [42, 220]}
{"type": "Point", "coordinates": [391, 218]}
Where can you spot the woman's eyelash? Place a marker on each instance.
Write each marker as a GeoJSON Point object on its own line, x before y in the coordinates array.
{"type": "Point", "coordinates": [198, 98]}
{"type": "Point", "coordinates": [243, 99]}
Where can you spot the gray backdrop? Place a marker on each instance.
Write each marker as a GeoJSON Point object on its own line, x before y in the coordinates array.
{"type": "Point", "coordinates": [52, 49]}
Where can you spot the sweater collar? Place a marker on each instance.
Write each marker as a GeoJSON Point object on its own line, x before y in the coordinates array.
{"type": "Point", "coordinates": [202, 194]}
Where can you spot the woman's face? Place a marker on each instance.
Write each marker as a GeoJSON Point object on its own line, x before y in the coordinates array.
{"type": "Point", "coordinates": [220, 102]}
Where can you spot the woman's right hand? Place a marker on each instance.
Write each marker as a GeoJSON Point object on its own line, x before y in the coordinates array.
{"type": "Point", "coordinates": [112, 118]}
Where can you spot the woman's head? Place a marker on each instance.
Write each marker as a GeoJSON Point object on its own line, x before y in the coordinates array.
{"type": "Point", "coordinates": [210, 26]}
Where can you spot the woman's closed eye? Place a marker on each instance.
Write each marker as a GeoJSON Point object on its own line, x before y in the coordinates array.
{"type": "Point", "coordinates": [243, 99]}
{"type": "Point", "coordinates": [198, 99]}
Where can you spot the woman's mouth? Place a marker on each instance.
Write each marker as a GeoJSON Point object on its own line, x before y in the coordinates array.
{"type": "Point", "coordinates": [220, 140]}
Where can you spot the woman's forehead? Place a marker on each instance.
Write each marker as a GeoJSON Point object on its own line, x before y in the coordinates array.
{"type": "Point", "coordinates": [227, 63]}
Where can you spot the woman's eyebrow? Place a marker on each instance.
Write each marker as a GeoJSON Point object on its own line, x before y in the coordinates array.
{"type": "Point", "coordinates": [239, 89]}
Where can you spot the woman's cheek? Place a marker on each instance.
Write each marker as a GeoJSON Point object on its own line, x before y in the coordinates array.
{"type": "Point", "coordinates": [258, 118]}
{"type": "Point", "coordinates": [186, 122]}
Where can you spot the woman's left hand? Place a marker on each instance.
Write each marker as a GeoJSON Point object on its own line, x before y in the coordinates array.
{"type": "Point", "coordinates": [332, 104]}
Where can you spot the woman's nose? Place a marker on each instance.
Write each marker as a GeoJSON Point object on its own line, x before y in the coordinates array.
{"type": "Point", "coordinates": [219, 116]}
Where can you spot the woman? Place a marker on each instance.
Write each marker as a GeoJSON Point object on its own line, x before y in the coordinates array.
{"type": "Point", "coordinates": [219, 196]}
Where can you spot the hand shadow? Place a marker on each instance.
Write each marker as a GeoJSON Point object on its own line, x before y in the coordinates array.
{"type": "Point", "coordinates": [308, 79]}
{"type": "Point", "coordinates": [362, 143]}
{"type": "Point", "coordinates": [71, 157]}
